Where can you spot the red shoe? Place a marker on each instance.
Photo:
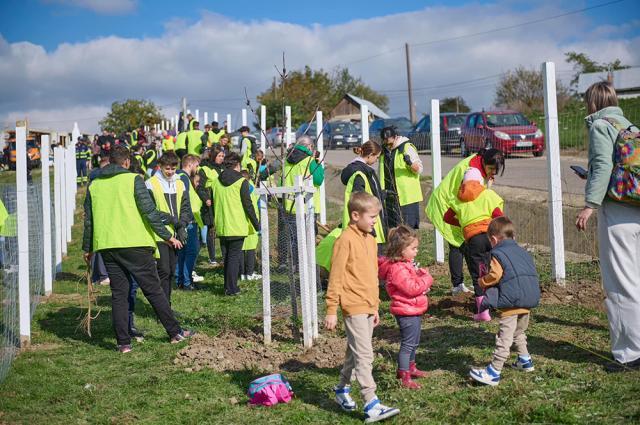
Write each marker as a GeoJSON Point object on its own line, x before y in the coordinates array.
{"type": "Point", "coordinates": [415, 372]}
{"type": "Point", "coordinates": [406, 381]}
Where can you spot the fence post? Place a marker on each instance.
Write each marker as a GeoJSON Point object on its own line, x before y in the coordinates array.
{"type": "Point", "coordinates": [62, 181]}
{"type": "Point", "coordinates": [229, 129]}
{"type": "Point", "coordinates": [22, 211]}
{"type": "Point", "coordinates": [320, 145]}
{"type": "Point", "coordinates": [215, 116]}
{"type": "Point", "coordinates": [266, 271]}
{"type": "Point", "coordinates": [263, 128]}
{"type": "Point", "coordinates": [556, 229]}
{"type": "Point", "coordinates": [307, 331]}
{"type": "Point", "coordinates": [311, 258]}
{"type": "Point", "coordinates": [206, 119]}
{"type": "Point", "coordinates": [198, 115]}
{"type": "Point", "coordinates": [46, 214]}
{"type": "Point", "coordinates": [70, 182]}
{"type": "Point", "coordinates": [244, 117]}
{"type": "Point", "coordinates": [287, 113]}
{"type": "Point", "coordinates": [57, 206]}
{"type": "Point", "coordinates": [436, 165]}
{"type": "Point", "coordinates": [364, 122]}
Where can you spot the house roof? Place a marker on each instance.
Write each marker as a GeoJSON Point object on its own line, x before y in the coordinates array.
{"type": "Point", "coordinates": [623, 79]}
{"type": "Point", "coordinates": [373, 109]}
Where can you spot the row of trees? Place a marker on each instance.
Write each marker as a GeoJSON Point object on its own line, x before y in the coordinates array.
{"type": "Point", "coordinates": [309, 90]}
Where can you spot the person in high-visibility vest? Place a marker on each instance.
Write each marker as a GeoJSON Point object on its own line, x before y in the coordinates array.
{"type": "Point", "coordinates": [170, 195]}
{"type": "Point", "coordinates": [487, 163]}
{"type": "Point", "coordinates": [210, 168]}
{"type": "Point", "coordinates": [248, 144]}
{"type": "Point", "coordinates": [250, 244]}
{"type": "Point", "coordinates": [133, 137]}
{"type": "Point", "coordinates": [399, 172]}
{"type": "Point", "coordinates": [188, 255]}
{"type": "Point", "coordinates": [194, 139]}
{"type": "Point", "coordinates": [138, 154]}
{"type": "Point", "coordinates": [235, 218]}
{"type": "Point", "coordinates": [181, 144]}
{"type": "Point", "coordinates": [360, 176]}
{"type": "Point", "coordinates": [168, 142]}
{"type": "Point", "coordinates": [215, 134]}
{"type": "Point", "coordinates": [120, 219]}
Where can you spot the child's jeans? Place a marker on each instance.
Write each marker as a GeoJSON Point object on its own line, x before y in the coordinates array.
{"type": "Point", "coordinates": [512, 330]}
{"type": "Point", "coordinates": [410, 329]}
{"type": "Point", "coordinates": [359, 356]}
{"type": "Point", "coordinates": [478, 257]}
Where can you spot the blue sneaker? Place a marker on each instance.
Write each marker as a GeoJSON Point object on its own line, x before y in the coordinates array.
{"type": "Point", "coordinates": [376, 411]}
{"type": "Point", "coordinates": [343, 398]}
{"type": "Point", "coordinates": [524, 364]}
{"type": "Point", "coordinates": [487, 376]}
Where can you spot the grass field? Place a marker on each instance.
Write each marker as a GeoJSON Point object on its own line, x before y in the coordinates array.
{"type": "Point", "coordinates": [67, 377]}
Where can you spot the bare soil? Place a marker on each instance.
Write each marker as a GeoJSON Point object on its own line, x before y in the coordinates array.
{"type": "Point", "coordinates": [585, 293]}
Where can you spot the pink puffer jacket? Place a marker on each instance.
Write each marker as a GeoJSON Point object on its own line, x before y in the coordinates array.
{"type": "Point", "coordinates": [406, 286]}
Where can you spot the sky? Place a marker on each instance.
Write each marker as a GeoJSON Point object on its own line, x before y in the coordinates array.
{"type": "Point", "coordinates": [67, 60]}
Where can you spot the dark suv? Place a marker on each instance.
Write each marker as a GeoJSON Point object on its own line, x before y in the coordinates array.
{"type": "Point", "coordinates": [450, 125]}
{"type": "Point", "coordinates": [509, 131]}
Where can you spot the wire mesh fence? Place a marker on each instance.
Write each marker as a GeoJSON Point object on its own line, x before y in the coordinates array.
{"type": "Point", "coordinates": [10, 337]}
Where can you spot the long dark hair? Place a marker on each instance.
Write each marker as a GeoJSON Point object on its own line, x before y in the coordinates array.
{"type": "Point", "coordinates": [367, 148]}
{"type": "Point", "coordinates": [493, 157]}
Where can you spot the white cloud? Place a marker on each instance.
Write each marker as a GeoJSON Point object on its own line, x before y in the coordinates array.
{"type": "Point", "coordinates": [210, 62]}
{"type": "Point", "coordinates": [106, 7]}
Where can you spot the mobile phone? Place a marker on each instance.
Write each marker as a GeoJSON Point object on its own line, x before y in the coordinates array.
{"type": "Point", "coordinates": [581, 172]}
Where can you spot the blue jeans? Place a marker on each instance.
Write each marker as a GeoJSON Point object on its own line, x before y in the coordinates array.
{"type": "Point", "coordinates": [187, 256]}
{"type": "Point", "coordinates": [410, 329]}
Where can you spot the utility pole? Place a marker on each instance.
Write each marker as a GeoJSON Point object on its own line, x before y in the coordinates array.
{"type": "Point", "coordinates": [412, 107]}
{"type": "Point", "coordinates": [184, 114]}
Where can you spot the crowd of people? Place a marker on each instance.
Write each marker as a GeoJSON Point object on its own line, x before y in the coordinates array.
{"type": "Point", "coordinates": [154, 200]}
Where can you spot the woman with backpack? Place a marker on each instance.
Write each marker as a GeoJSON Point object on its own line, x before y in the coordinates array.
{"type": "Point", "coordinates": [613, 190]}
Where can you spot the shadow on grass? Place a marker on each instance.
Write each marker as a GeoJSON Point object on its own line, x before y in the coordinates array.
{"type": "Point", "coordinates": [561, 322]}
{"type": "Point", "coordinates": [65, 324]}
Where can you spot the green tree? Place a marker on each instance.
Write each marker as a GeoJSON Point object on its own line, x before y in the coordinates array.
{"type": "Point", "coordinates": [307, 90]}
{"type": "Point", "coordinates": [583, 64]}
{"type": "Point", "coordinates": [522, 90]}
{"type": "Point", "coordinates": [454, 104]}
{"type": "Point", "coordinates": [131, 114]}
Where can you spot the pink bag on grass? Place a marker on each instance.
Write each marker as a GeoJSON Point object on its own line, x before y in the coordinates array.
{"type": "Point", "coordinates": [270, 390]}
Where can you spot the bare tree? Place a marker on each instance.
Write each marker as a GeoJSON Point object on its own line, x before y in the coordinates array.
{"type": "Point", "coordinates": [522, 90]}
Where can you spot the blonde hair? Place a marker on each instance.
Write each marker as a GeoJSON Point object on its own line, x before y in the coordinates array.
{"type": "Point", "coordinates": [399, 238]}
{"type": "Point", "coordinates": [190, 159]}
{"type": "Point", "coordinates": [502, 228]}
{"type": "Point", "coordinates": [600, 95]}
{"type": "Point", "coordinates": [361, 202]}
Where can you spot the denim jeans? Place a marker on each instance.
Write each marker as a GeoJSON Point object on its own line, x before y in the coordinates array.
{"type": "Point", "coordinates": [187, 256]}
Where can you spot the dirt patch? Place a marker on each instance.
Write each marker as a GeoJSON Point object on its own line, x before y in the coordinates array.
{"type": "Point", "coordinates": [43, 347]}
{"type": "Point", "coordinates": [245, 350]}
{"type": "Point", "coordinates": [62, 298]}
{"type": "Point", "coordinates": [585, 293]}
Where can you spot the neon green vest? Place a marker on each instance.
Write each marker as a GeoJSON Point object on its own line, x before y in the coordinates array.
{"type": "Point", "coordinates": [215, 138]}
{"type": "Point", "coordinates": [406, 181]}
{"type": "Point", "coordinates": [324, 250]}
{"type": "Point", "coordinates": [151, 158]}
{"type": "Point", "coordinates": [140, 160]}
{"type": "Point", "coordinates": [134, 137]}
{"type": "Point", "coordinates": [168, 144]}
{"type": "Point", "coordinates": [230, 218]}
{"type": "Point", "coordinates": [212, 176]}
{"type": "Point", "coordinates": [246, 161]}
{"type": "Point", "coordinates": [251, 241]}
{"type": "Point", "coordinates": [161, 201]}
{"type": "Point", "coordinates": [299, 169]}
{"type": "Point", "coordinates": [117, 223]}
{"type": "Point", "coordinates": [441, 199]}
{"type": "Point", "coordinates": [196, 204]}
{"type": "Point", "coordinates": [347, 195]}
{"type": "Point", "coordinates": [195, 142]}
{"type": "Point", "coordinates": [181, 141]}
{"type": "Point", "coordinates": [249, 145]}
{"type": "Point", "coordinates": [477, 210]}
{"type": "Point", "coordinates": [8, 222]}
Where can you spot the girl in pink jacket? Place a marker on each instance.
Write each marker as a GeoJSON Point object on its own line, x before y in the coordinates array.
{"type": "Point", "coordinates": [407, 285]}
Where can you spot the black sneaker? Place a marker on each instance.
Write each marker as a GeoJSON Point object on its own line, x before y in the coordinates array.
{"type": "Point", "coordinates": [616, 366]}
{"type": "Point", "coordinates": [183, 335]}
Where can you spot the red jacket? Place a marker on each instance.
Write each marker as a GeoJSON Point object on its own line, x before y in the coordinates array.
{"type": "Point", "coordinates": [406, 286]}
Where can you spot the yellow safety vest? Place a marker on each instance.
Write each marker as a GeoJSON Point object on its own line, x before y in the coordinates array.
{"type": "Point", "coordinates": [347, 196]}
{"type": "Point", "coordinates": [230, 218]}
{"type": "Point", "coordinates": [161, 201]}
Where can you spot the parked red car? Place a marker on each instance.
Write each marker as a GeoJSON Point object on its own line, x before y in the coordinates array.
{"type": "Point", "coordinates": [509, 131]}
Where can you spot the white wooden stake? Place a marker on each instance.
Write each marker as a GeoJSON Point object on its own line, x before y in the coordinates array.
{"type": "Point", "coordinates": [436, 163]}
{"type": "Point", "coordinates": [266, 272]}
{"type": "Point", "coordinates": [22, 211]}
{"type": "Point", "coordinates": [229, 128]}
{"type": "Point", "coordinates": [46, 215]}
{"type": "Point", "coordinates": [364, 122]}
{"type": "Point", "coordinates": [57, 206]}
{"type": "Point", "coordinates": [307, 331]}
{"type": "Point", "coordinates": [215, 116]}
{"type": "Point", "coordinates": [70, 167]}
{"type": "Point", "coordinates": [206, 119]}
{"type": "Point", "coordinates": [556, 229]}
{"type": "Point", "coordinates": [311, 258]}
{"type": "Point", "coordinates": [244, 117]}
{"type": "Point", "coordinates": [64, 217]}
{"type": "Point", "coordinates": [263, 128]}
{"type": "Point", "coordinates": [287, 113]}
{"type": "Point", "coordinates": [320, 147]}
{"type": "Point", "coordinates": [198, 115]}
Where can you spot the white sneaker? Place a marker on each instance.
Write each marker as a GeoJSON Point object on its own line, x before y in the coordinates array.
{"type": "Point", "coordinates": [195, 277]}
{"type": "Point", "coordinates": [487, 376]}
{"type": "Point", "coordinates": [460, 289]}
{"type": "Point", "coordinates": [376, 411]}
{"type": "Point", "coordinates": [254, 276]}
{"type": "Point", "coordinates": [105, 282]}
{"type": "Point", "coordinates": [343, 398]}
{"type": "Point", "coordinates": [243, 277]}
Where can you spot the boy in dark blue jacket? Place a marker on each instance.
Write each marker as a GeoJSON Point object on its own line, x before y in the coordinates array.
{"type": "Point", "coordinates": [512, 287]}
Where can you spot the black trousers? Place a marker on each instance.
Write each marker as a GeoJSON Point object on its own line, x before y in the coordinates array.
{"type": "Point", "coordinates": [478, 259]}
{"type": "Point", "coordinates": [211, 242]}
{"type": "Point", "coordinates": [248, 262]}
{"type": "Point", "coordinates": [166, 267]}
{"type": "Point", "coordinates": [411, 215]}
{"type": "Point", "coordinates": [456, 261]}
{"type": "Point", "coordinates": [392, 208]}
{"type": "Point", "coordinates": [232, 254]}
{"type": "Point", "coordinates": [139, 263]}
{"type": "Point", "coordinates": [287, 239]}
